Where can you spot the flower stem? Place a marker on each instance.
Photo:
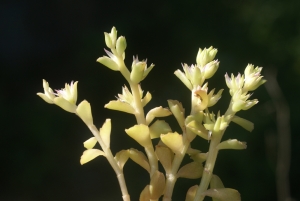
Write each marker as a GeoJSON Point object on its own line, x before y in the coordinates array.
{"type": "Point", "coordinates": [113, 163]}
{"type": "Point", "coordinates": [209, 166]}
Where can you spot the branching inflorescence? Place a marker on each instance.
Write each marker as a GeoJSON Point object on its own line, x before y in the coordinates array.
{"type": "Point", "coordinates": [172, 146]}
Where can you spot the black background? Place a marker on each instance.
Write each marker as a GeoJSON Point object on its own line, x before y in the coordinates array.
{"type": "Point", "coordinates": [60, 41]}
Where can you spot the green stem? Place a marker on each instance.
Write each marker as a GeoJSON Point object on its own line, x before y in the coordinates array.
{"type": "Point", "coordinates": [139, 114]}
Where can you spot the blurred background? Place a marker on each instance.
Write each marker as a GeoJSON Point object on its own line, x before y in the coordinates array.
{"type": "Point", "coordinates": [60, 41]}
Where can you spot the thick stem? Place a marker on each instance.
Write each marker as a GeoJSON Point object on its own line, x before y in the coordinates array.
{"type": "Point", "coordinates": [209, 166]}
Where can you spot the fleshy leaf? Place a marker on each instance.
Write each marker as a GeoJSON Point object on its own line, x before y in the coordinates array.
{"type": "Point", "coordinates": [191, 170]}
{"type": "Point", "coordinates": [165, 156]}
{"type": "Point", "coordinates": [157, 185]}
{"type": "Point", "coordinates": [178, 112]}
{"type": "Point", "coordinates": [140, 158]}
{"type": "Point", "coordinates": [90, 154]}
{"type": "Point", "coordinates": [145, 194]}
{"type": "Point", "coordinates": [248, 125]}
{"type": "Point", "coordinates": [120, 106]}
{"type": "Point", "coordinates": [157, 112]}
{"type": "Point", "coordinates": [223, 194]}
{"type": "Point", "coordinates": [173, 141]}
{"type": "Point", "coordinates": [122, 157]}
{"type": "Point", "coordinates": [140, 133]}
{"type": "Point", "coordinates": [216, 182]}
{"type": "Point", "coordinates": [190, 195]}
{"type": "Point", "coordinates": [146, 99]}
{"type": "Point", "coordinates": [198, 129]}
{"type": "Point", "coordinates": [85, 113]}
{"type": "Point", "coordinates": [105, 131]}
{"type": "Point", "coordinates": [199, 157]}
{"type": "Point", "coordinates": [232, 144]}
{"type": "Point", "coordinates": [159, 127]}
{"type": "Point", "coordinates": [64, 104]}
{"type": "Point", "coordinates": [90, 143]}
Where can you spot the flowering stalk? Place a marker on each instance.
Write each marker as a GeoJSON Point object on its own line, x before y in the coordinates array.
{"type": "Point", "coordinates": [172, 146]}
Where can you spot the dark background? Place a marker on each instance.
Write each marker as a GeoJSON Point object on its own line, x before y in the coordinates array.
{"type": "Point", "coordinates": [60, 41]}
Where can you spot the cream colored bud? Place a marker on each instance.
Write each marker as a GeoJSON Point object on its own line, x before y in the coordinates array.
{"type": "Point", "coordinates": [210, 69]}
{"type": "Point", "coordinates": [108, 41]}
{"type": "Point", "coordinates": [137, 72]}
{"type": "Point", "coordinates": [206, 55]}
{"type": "Point", "coordinates": [113, 36]}
{"type": "Point", "coordinates": [121, 45]}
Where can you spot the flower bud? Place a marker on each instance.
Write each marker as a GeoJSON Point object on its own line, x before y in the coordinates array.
{"type": "Point", "coordinates": [206, 55]}
{"type": "Point", "coordinates": [113, 36]}
{"type": "Point", "coordinates": [137, 72]}
{"type": "Point", "coordinates": [108, 41]}
{"type": "Point", "coordinates": [121, 45]}
{"type": "Point", "coordinates": [210, 69]}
